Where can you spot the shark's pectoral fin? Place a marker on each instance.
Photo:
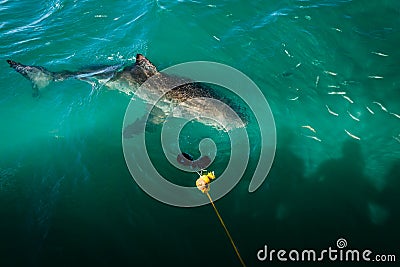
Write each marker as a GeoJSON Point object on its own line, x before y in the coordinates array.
{"type": "Point", "coordinates": [147, 122]}
{"type": "Point", "coordinates": [135, 128]}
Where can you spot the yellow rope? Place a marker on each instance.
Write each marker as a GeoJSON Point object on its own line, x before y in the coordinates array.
{"type": "Point", "coordinates": [226, 230]}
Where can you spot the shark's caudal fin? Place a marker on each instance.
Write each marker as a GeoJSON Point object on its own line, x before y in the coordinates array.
{"type": "Point", "coordinates": [39, 76]}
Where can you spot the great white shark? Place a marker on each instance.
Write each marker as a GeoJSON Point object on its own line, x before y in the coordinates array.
{"type": "Point", "coordinates": [128, 79]}
{"type": "Point", "coordinates": [181, 98]}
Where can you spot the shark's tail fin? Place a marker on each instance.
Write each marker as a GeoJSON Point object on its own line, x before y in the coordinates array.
{"type": "Point", "coordinates": [39, 76]}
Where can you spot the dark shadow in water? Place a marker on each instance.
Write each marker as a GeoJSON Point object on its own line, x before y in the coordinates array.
{"type": "Point", "coordinates": [389, 199]}
{"type": "Point", "coordinates": [273, 204]}
{"type": "Point", "coordinates": [287, 175]}
{"type": "Point", "coordinates": [315, 211]}
{"type": "Point", "coordinates": [337, 197]}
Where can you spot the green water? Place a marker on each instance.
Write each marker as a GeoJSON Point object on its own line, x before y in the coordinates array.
{"type": "Point", "coordinates": [67, 197]}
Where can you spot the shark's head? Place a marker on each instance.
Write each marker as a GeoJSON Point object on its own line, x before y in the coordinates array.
{"type": "Point", "coordinates": [143, 69]}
